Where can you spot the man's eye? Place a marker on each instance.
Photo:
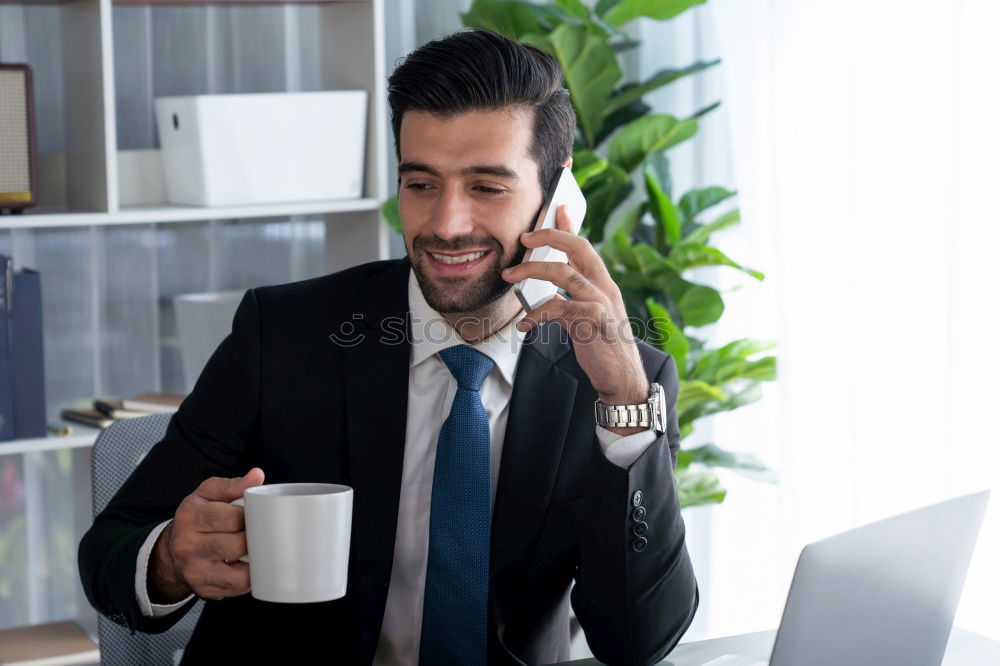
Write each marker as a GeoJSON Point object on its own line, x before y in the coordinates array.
{"type": "Point", "coordinates": [417, 186]}
{"type": "Point", "coordinates": [489, 190]}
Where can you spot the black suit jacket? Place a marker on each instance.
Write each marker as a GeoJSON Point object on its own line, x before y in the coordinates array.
{"type": "Point", "coordinates": [280, 394]}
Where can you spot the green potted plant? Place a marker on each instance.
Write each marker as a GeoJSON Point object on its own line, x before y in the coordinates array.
{"type": "Point", "coordinates": [649, 247]}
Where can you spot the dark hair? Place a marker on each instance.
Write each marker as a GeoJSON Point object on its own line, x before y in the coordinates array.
{"type": "Point", "coordinates": [481, 70]}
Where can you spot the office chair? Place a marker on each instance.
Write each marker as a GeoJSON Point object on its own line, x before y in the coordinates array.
{"type": "Point", "coordinates": [117, 452]}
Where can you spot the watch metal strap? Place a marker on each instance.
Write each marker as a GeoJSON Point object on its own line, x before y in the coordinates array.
{"type": "Point", "coordinates": [621, 416]}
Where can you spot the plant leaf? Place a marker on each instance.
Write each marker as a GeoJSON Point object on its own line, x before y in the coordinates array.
{"type": "Point", "coordinates": [602, 6]}
{"type": "Point", "coordinates": [697, 200]}
{"type": "Point", "coordinates": [574, 8]}
{"type": "Point", "coordinates": [631, 92]}
{"type": "Point", "coordinates": [698, 409]}
{"type": "Point", "coordinates": [583, 158]}
{"type": "Point", "coordinates": [590, 70]}
{"type": "Point", "coordinates": [695, 391]}
{"type": "Point", "coordinates": [705, 110]}
{"type": "Point", "coordinates": [604, 191]}
{"type": "Point", "coordinates": [698, 486]}
{"type": "Point", "coordinates": [668, 220]}
{"type": "Point", "coordinates": [700, 233]}
{"type": "Point", "coordinates": [620, 251]}
{"type": "Point", "coordinates": [390, 213]}
{"type": "Point", "coordinates": [539, 41]}
{"type": "Point", "coordinates": [670, 338]}
{"type": "Point", "coordinates": [624, 45]}
{"type": "Point", "coordinates": [690, 255]}
{"type": "Point", "coordinates": [711, 455]}
{"type": "Point", "coordinates": [731, 362]}
{"type": "Point", "coordinates": [586, 165]}
{"type": "Point", "coordinates": [599, 26]}
{"type": "Point", "coordinates": [631, 284]}
{"type": "Point", "coordinates": [628, 221]}
{"type": "Point", "coordinates": [648, 134]}
{"type": "Point", "coordinates": [627, 10]}
{"type": "Point", "coordinates": [651, 262]}
{"type": "Point", "coordinates": [508, 17]}
{"type": "Point", "coordinates": [622, 116]}
{"type": "Point", "coordinates": [760, 370]}
{"type": "Point", "coordinates": [700, 305]}
{"type": "Point", "coordinates": [660, 165]}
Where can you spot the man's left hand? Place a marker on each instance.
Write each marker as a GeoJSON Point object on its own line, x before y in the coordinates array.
{"type": "Point", "coordinates": [595, 315]}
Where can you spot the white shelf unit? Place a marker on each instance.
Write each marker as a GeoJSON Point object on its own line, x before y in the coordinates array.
{"type": "Point", "coordinates": [79, 190]}
{"type": "Point", "coordinates": [81, 186]}
{"type": "Point", "coordinates": [82, 437]}
{"type": "Point", "coordinates": [171, 213]}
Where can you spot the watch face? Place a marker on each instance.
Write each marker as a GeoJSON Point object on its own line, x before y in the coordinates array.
{"type": "Point", "coordinates": [660, 417]}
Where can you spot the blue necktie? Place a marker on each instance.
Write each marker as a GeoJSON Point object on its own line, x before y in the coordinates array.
{"type": "Point", "coordinates": [458, 556]}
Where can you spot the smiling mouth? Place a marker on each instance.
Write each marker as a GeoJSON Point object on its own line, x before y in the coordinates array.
{"type": "Point", "coordinates": [456, 265]}
{"type": "Point", "coordinates": [453, 260]}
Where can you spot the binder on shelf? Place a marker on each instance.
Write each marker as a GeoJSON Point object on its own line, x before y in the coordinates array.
{"type": "Point", "coordinates": [22, 366]}
{"type": "Point", "coordinates": [28, 362]}
{"type": "Point", "coordinates": [6, 376]}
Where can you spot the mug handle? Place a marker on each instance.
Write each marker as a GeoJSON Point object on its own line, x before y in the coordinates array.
{"type": "Point", "coordinates": [240, 503]}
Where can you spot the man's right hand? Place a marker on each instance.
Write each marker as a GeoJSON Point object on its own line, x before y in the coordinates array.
{"type": "Point", "coordinates": [199, 550]}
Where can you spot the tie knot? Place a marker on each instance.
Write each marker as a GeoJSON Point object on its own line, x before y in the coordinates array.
{"type": "Point", "coordinates": [467, 365]}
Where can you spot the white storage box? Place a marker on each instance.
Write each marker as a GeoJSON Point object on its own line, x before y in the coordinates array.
{"type": "Point", "coordinates": [227, 150]}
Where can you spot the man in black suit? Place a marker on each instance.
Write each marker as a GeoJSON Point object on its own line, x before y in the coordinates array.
{"type": "Point", "coordinates": [340, 379]}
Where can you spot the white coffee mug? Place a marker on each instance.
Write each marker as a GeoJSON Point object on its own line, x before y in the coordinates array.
{"type": "Point", "coordinates": [298, 540]}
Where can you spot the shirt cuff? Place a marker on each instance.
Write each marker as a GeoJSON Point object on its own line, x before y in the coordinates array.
{"type": "Point", "coordinates": [148, 608]}
{"type": "Point", "coordinates": [623, 450]}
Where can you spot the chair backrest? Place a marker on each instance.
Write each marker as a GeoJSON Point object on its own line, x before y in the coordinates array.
{"type": "Point", "coordinates": [118, 450]}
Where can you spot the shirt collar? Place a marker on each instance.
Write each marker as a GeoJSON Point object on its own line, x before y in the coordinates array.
{"type": "Point", "coordinates": [431, 333]}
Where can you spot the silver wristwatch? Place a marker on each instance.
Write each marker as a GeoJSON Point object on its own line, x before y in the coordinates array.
{"type": "Point", "coordinates": [651, 414]}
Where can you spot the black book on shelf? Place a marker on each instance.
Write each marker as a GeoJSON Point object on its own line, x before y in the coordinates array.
{"type": "Point", "coordinates": [88, 417]}
{"type": "Point", "coordinates": [28, 364]}
{"type": "Point", "coordinates": [112, 408]}
{"type": "Point", "coordinates": [6, 375]}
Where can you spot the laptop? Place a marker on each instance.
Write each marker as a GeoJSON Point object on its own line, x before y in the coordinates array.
{"type": "Point", "coordinates": [885, 593]}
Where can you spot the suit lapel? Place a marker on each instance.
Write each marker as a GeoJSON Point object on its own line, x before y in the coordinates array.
{"type": "Point", "coordinates": [539, 418]}
{"type": "Point", "coordinates": [376, 379]}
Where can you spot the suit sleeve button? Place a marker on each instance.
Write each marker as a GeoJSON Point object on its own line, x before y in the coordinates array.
{"type": "Point", "coordinates": [640, 528]}
{"type": "Point", "coordinates": [639, 544]}
{"type": "Point", "coordinates": [639, 513]}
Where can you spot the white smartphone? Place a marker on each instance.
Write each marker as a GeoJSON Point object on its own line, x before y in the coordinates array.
{"type": "Point", "coordinates": [532, 292]}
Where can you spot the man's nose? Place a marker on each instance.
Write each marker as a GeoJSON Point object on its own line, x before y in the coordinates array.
{"type": "Point", "coordinates": [452, 214]}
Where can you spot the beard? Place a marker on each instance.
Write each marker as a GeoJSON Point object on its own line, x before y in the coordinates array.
{"type": "Point", "coordinates": [463, 294]}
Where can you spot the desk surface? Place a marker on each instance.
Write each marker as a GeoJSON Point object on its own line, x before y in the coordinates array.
{"type": "Point", "coordinates": [964, 649]}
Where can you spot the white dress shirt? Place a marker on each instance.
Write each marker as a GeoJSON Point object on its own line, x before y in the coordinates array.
{"type": "Point", "coordinates": [431, 392]}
